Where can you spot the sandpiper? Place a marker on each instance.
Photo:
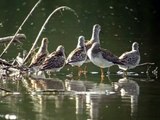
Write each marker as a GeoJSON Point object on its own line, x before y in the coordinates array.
{"type": "Point", "coordinates": [102, 57]}
{"type": "Point", "coordinates": [130, 59]}
{"type": "Point", "coordinates": [94, 38]}
{"type": "Point", "coordinates": [78, 56]}
{"type": "Point", "coordinates": [40, 56]}
{"type": "Point", "coordinates": [55, 61]}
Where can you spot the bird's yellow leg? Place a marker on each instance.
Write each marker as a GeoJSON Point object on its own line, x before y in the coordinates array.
{"type": "Point", "coordinates": [108, 72]}
{"type": "Point", "coordinates": [80, 71]}
{"type": "Point", "coordinates": [85, 69]}
{"type": "Point", "coordinates": [102, 74]}
{"type": "Point", "coordinates": [49, 74]}
{"type": "Point", "coordinates": [125, 73]}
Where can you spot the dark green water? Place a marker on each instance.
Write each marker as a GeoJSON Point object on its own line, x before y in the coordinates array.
{"type": "Point", "coordinates": [122, 22]}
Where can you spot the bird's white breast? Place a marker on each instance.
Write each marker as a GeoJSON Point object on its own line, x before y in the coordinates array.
{"type": "Point", "coordinates": [98, 60]}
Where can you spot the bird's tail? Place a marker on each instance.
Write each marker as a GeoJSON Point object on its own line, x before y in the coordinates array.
{"type": "Point", "coordinates": [119, 62]}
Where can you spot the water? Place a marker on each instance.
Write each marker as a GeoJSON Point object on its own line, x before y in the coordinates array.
{"type": "Point", "coordinates": [54, 98]}
{"type": "Point", "coordinates": [64, 97]}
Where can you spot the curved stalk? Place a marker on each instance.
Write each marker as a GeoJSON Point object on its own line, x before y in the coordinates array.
{"type": "Point", "coordinates": [42, 28]}
{"type": "Point", "coordinates": [20, 27]}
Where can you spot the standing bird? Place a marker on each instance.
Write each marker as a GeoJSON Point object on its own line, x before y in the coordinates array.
{"type": "Point", "coordinates": [102, 57]}
{"type": "Point", "coordinates": [40, 56]}
{"type": "Point", "coordinates": [78, 56]}
{"type": "Point", "coordinates": [94, 38]}
{"type": "Point", "coordinates": [55, 61]}
{"type": "Point", "coordinates": [130, 59]}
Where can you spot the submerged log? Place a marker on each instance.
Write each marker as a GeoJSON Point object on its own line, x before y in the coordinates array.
{"type": "Point", "coordinates": [18, 38]}
{"type": "Point", "coordinates": [4, 62]}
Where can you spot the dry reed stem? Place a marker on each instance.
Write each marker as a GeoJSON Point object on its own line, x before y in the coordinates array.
{"type": "Point", "coordinates": [20, 27]}
{"type": "Point", "coordinates": [147, 63]}
{"type": "Point", "coordinates": [42, 28]}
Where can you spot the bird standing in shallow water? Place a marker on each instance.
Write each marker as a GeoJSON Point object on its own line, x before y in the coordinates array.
{"type": "Point", "coordinates": [102, 57]}
{"type": "Point", "coordinates": [94, 38]}
{"type": "Point", "coordinates": [40, 56]}
{"type": "Point", "coordinates": [78, 56]}
{"type": "Point", "coordinates": [55, 61]}
{"type": "Point", "coordinates": [130, 59]}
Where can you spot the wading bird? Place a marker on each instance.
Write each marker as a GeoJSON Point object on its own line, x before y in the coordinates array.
{"type": "Point", "coordinates": [55, 61]}
{"type": "Point", "coordinates": [94, 38]}
{"type": "Point", "coordinates": [78, 56]}
{"type": "Point", "coordinates": [130, 59]}
{"type": "Point", "coordinates": [102, 57]}
{"type": "Point", "coordinates": [40, 56]}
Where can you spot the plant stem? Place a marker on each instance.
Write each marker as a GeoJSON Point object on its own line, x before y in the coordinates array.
{"type": "Point", "coordinates": [42, 28]}
{"type": "Point", "coordinates": [20, 27]}
{"type": "Point", "coordinates": [147, 63]}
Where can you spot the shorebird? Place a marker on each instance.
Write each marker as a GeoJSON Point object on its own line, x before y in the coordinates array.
{"type": "Point", "coordinates": [130, 59]}
{"type": "Point", "coordinates": [102, 57]}
{"type": "Point", "coordinates": [40, 56]}
{"type": "Point", "coordinates": [78, 56]}
{"type": "Point", "coordinates": [94, 38]}
{"type": "Point", "coordinates": [55, 61]}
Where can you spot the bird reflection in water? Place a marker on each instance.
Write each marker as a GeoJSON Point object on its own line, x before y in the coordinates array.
{"type": "Point", "coordinates": [51, 92]}
{"type": "Point", "coordinates": [88, 96]}
{"type": "Point", "coordinates": [128, 89]}
{"type": "Point", "coordinates": [45, 84]}
{"type": "Point", "coordinates": [43, 92]}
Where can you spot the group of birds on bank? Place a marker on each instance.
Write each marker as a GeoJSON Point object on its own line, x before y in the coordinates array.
{"type": "Point", "coordinates": [85, 51]}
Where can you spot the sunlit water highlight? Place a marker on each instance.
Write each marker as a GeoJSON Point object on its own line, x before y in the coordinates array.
{"type": "Point", "coordinates": [55, 98]}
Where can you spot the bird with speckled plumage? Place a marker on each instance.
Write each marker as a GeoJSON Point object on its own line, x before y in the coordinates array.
{"type": "Point", "coordinates": [55, 61]}
{"type": "Point", "coordinates": [78, 56]}
{"type": "Point", "coordinates": [40, 56]}
{"type": "Point", "coordinates": [130, 59]}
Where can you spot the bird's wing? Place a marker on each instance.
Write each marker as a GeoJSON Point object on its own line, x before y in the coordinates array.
{"type": "Point", "coordinates": [130, 57]}
{"type": "Point", "coordinates": [77, 54]}
{"type": "Point", "coordinates": [110, 56]}
{"type": "Point", "coordinates": [54, 60]}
